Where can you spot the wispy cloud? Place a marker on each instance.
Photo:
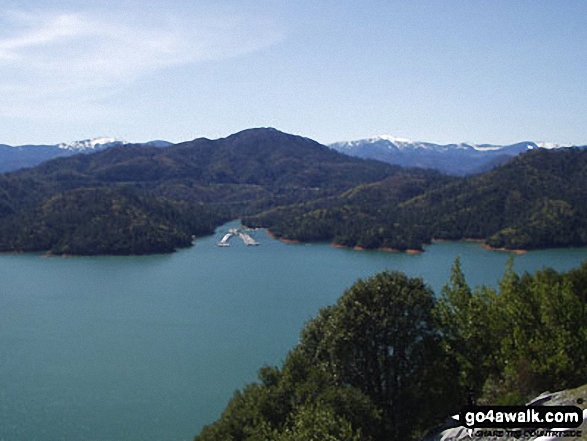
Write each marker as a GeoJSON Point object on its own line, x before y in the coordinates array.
{"type": "Point", "coordinates": [51, 62]}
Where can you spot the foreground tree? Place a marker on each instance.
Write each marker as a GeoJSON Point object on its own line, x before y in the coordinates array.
{"type": "Point", "coordinates": [543, 344]}
{"type": "Point", "coordinates": [367, 368]}
{"type": "Point", "coordinates": [466, 322]}
{"type": "Point", "coordinates": [381, 339]}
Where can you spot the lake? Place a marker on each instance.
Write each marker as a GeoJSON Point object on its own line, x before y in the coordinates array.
{"type": "Point", "coordinates": [152, 348]}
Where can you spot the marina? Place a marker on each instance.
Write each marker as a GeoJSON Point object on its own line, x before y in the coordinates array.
{"type": "Point", "coordinates": [246, 238]}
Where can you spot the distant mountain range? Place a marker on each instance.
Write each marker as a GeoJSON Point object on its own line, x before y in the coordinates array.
{"type": "Point", "coordinates": [455, 159]}
{"type": "Point", "coordinates": [24, 156]}
{"type": "Point", "coordinates": [138, 199]}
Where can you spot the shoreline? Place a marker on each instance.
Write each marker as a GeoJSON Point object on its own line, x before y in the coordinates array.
{"type": "Point", "coordinates": [389, 250]}
{"type": "Point", "coordinates": [409, 251]}
{"type": "Point", "coordinates": [384, 249]}
{"type": "Point", "coordinates": [291, 241]}
{"type": "Point", "coordinates": [281, 239]}
{"type": "Point", "coordinates": [517, 252]}
{"type": "Point", "coordinates": [464, 239]}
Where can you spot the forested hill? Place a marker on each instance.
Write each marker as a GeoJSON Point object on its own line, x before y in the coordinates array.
{"type": "Point", "coordinates": [297, 187]}
{"type": "Point", "coordinates": [214, 179]}
{"type": "Point", "coordinates": [262, 157]}
{"type": "Point", "coordinates": [537, 200]}
{"type": "Point", "coordinates": [105, 221]}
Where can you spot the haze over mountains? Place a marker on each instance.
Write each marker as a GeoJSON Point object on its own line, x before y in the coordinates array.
{"type": "Point", "coordinates": [24, 156]}
{"type": "Point", "coordinates": [455, 159]}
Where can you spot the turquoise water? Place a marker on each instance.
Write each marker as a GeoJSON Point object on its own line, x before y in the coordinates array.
{"type": "Point", "coordinates": [152, 348]}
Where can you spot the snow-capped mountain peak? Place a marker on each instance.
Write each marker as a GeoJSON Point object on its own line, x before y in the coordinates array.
{"type": "Point", "coordinates": [454, 158]}
{"type": "Point", "coordinates": [486, 147]}
{"type": "Point", "coordinates": [92, 144]}
{"type": "Point", "coordinates": [393, 139]}
{"type": "Point", "coordinates": [552, 145]}
{"type": "Point", "coordinates": [382, 141]}
{"type": "Point", "coordinates": [396, 143]}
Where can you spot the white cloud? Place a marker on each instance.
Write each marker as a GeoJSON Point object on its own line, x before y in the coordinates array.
{"type": "Point", "coordinates": [60, 27]}
{"type": "Point", "coordinates": [53, 62]}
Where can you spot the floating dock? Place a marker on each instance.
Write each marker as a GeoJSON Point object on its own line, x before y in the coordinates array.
{"type": "Point", "coordinates": [248, 240]}
{"type": "Point", "coordinates": [224, 241]}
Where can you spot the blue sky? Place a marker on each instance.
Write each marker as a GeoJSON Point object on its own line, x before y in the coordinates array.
{"type": "Point", "coordinates": [443, 71]}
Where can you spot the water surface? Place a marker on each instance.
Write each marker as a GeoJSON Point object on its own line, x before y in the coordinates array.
{"type": "Point", "coordinates": [152, 348]}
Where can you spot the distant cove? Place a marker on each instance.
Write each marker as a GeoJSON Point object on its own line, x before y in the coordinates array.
{"type": "Point", "coordinates": [152, 347]}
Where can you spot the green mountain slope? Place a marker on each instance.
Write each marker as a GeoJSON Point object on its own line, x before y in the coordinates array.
{"type": "Point", "coordinates": [366, 216]}
{"type": "Point", "coordinates": [262, 157]}
{"type": "Point", "coordinates": [244, 173]}
{"type": "Point", "coordinates": [300, 190]}
{"type": "Point", "coordinates": [104, 221]}
{"type": "Point", "coordinates": [537, 200]}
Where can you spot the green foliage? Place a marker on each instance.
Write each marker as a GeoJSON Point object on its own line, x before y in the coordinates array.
{"type": "Point", "coordinates": [104, 221]}
{"type": "Point", "coordinates": [547, 320]}
{"type": "Point", "coordinates": [535, 201]}
{"type": "Point", "coordinates": [240, 175]}
{"type": "Point", "coordinates": [388, 363]}
{"type": "Point", "coordinates": [522, 340]}
{"type": "Point", "coordinates": [315, 423]}
{"type": "Point", "coordinates": [379, 339]}
{"type": "Point", "coordinates": [367, 216]}
{"type": "Point", "coordinates": [465, 321]}
{"type": "Point", "coordinates": [303, 190]}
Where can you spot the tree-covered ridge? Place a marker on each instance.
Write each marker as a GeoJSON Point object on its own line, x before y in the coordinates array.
{"type": "Point", "coordinates": [105, 221]}
{"type": "Point", "coordinates": [303, 190]}
{"type": "Point", "coordinates": [389, 361]}
{"type": "Point", "coordinates": [266, 158]}
{"type": "Point", "coordinates": [245, 173]}
{"type": "Point", "coordinates": [537, 200]}
{"type": "Point", "coordinates": [366, 216]}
